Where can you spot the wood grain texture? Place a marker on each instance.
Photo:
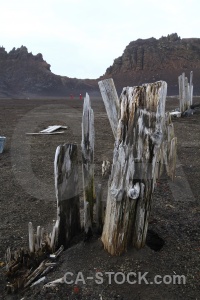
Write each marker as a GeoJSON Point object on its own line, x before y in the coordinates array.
{"type": "Point", "coordinates": [111, 102]}
{"type": "Point", "coordinates": [67, 193]}
{"type": "Point", "coordinates": [185, 92]}
{"type": "Point", "coordinates": [138, 154]}
{"type": "Point", "coordinates": [87, 146]}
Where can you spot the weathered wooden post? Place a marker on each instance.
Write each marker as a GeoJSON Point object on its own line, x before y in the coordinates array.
{"type": "Point", "coordinates": [67, 193]}
{"type": "Point", "coordinates": [191, 87]}
{"type": "Point", "coordinates": [137, 152]}
{"type": "Point", "coordinates": [111, 102]}
{"type": "Point", "coordinates": [185, 92]}
{"type": "Point", "coordinates": [87, 146]}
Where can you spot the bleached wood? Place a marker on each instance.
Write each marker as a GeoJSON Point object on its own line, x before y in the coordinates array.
{"type": "Point", "coordinates": [87, 146]}
{"type": "Point", "coordinates": [54, 236]}
{"type": "Point", "coordinates": [54, 283]}
{"type": "Point", "coordinates": [41, 236]}
{"type": "Point", "coordinates": [53, 128]}
{"type": "Point", "coordinates": [8, 258]}
{"type": "Point", "coordinates": [44, 133]}
{"type": "Point", "coordinates": [67, 193]}
{"type": "Point", "coordinates": [137, 154]}
{"type": "Point", "coordinates": [31, 237]}
{"type": "Point", "coordinates": [38, 236]}
{"type": "Point", "coordinates": [185, 92]}
{"type": "Point", "coordinates": [111, 102]}
{"type": "Point", "coordinates": [58, 252]}
{"type": "Point", "coordinates": [191, 87]}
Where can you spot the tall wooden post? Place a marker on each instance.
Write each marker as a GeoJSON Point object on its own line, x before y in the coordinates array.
{"type": "Point", "coordinates": [185, 92]}
{"type": "Point", "coordinates": [137, 153]}
{"type": "Point", "coordinates": [67, 193]}
{"type": "Point", "coordinates": [111, 102]}
{"type": "Point", "coordinates": [191, 87]}
{"type": "Point", "coordinates": [87, 146]}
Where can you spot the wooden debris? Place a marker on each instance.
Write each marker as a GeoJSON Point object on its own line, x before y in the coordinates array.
{"type": "Point", "coordinates": [54, 283]}
{"type": "Point", "coordinates": [45, 133]}
{"type": "Point", "coordinates": [53, 128]}
{"type": "Point", "coordinates": [176, 114]}
{"type": "Point", "coordinates": [20, 268]}
{"type": "Point", "coordinates": [50, 130]}
{"type": "Point", "coordinates": [38, 281]}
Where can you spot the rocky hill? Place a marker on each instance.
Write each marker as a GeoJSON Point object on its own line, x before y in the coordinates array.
{"type": "Point", "coordinates": [23, 74]}
{"type": "Point", "coordinates": [153, 59]}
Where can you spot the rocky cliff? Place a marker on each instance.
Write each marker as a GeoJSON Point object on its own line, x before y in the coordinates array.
{"type": "Point", "coordinates": [23, 74]}
{"type": "Point", "coordinates": [153, 59]}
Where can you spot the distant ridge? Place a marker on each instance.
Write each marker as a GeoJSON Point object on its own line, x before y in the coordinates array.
{"type": "Point", "coordinates": [23, 74]}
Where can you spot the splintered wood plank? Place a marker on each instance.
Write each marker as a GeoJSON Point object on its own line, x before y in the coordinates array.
{"type": "Point", "coordinates": [67, 193]}
{"type": "Point", "coordinates": [44, 133]}
{"type": "Point", "coordinates": [50, 129]}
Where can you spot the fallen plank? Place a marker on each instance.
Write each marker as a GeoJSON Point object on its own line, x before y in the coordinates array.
{"type": "Point", "coordinates": [44, 133]}
{"type": "Point", "coordinates": [53, 128]}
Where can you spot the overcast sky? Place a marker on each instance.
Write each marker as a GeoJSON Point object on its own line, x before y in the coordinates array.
{"type": "Point", "coordinates": [81, 38]}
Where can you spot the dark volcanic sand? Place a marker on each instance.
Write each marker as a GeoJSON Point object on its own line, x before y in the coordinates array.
{"type": "Point", "coordinates": [27, 194]}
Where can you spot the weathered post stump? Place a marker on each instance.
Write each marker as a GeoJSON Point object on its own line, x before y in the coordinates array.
{"type": "Point", "coordinates": [137, 154]}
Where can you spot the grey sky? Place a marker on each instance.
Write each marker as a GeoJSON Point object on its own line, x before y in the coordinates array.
{"type": "Point", "coordinates": [81, 38]}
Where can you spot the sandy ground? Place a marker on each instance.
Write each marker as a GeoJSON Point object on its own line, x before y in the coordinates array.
{"type": "Point", "coordinates": [27, 194]}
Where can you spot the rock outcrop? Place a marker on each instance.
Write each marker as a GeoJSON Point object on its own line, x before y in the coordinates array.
{"type": "Point", "coordinates": [23, 74]}
{"type": "Point", "coordinates": [149, 60]}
